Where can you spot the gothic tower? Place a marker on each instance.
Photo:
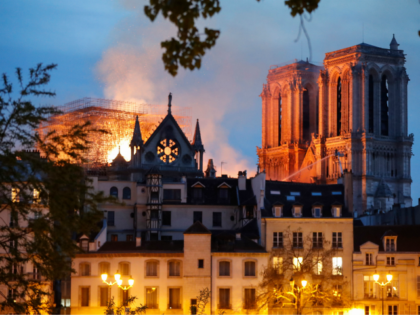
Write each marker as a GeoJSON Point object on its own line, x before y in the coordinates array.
{"type": "Point", "coordinates": [358, 121]}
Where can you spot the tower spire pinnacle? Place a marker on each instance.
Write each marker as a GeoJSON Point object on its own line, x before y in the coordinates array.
{"type": "Point", "coordinates": [137, 140]}
{"type": "Point", "coordinates": [197, 143]}
{"type": "Point", "coordinates": [169, 103]}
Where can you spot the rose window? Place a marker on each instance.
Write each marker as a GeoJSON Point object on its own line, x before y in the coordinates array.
{"type": "Point", "coordinates": [168, 150]}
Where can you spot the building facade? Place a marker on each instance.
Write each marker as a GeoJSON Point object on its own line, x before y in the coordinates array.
{"type": "Point", "coordinates": [350, 114]}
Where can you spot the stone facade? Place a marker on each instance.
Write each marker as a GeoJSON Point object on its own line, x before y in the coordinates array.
{"type": "Point", "coordinates": [350, 115]}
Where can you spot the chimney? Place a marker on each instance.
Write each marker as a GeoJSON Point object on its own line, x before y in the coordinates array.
{"type": "Point", "coordinates": [238, 236]}
{"type": "Point", "coordinates": [242, 180]}
{"type": "Point", "coordinates": [138, 241]}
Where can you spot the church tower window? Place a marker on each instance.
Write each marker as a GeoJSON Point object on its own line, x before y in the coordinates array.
{"type": "Point", "coordinates": [305, 118]}
{"type": "Point", "coordinates": [371, 104]}
{"type": "Point", "coordinates": [168, 150]}
{"type": "Point", "coordinates": [338, 106]}
{"type": "Point", "coordinates": [384, 106]}
{"type": "Point", "coordinates": [280, 109]}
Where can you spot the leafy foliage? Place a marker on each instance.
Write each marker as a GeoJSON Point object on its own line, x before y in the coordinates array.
{"type": "Point", "coordinates": [112, 309]}
{"type": "Point", "coordinates": [188, 49]}
{"type": "Point", "coordinates": [45, 201]}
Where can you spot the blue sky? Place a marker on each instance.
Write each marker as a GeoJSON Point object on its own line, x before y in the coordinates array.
{"type": "Point", "coordinates": [107, 48]}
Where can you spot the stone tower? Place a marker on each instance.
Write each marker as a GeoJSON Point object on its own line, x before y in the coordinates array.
{"type": "Point", "coordinates": [354, 111]}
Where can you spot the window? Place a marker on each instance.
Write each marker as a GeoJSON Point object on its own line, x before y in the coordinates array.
{"type": "Point", "coordinates": [275, 192]}
{"type": "Point", "coordinates": [36, 274]}
{"type": "Point", "coordinates": [151, 269]}
{"type": "Point", "coordinates": [369, 287]}
{"type": "Point", "coordinates": [250, 302]}
{"type": "Point", "coordinates": [104, 267]}
{"type": "Point", "coordinates": [369, 260]}
{"type": "Point", "coordinates": [36, 196]}
{"type": "Point", "coordinates": [297, 263]}
{"type": "Point", "coordinates": [297, 211]}
{"type": "Point", "coordinates": [337, 240]}
{"type": "Point", "coordinates": [390, 244]}
{"type": "Point", "coordinates": [172, 194]}
{"type": "Point", "coordinates": [316, 212]}
{"type": "Point", "coordinates": [277, 211]}
{"type": "Point", "coordinates": [151, 298]}
{"type": "Point", "coordinates": [294, 193]}
{"type": "Point", "coordinates": [13, 220]}
{"type": "Point", "coordinates": [127, 193]}
{"type": "Point", "coordinates": [223, 195]}
{"type": "Point", "coordinates": [12, 293]}
{"type": "Point", "coordinates": [217, 219]}
{"type": "Point", "coordinates": [384, 105]}
{"type": "Point", "coordinates": [224, 299]}
{"type": "Point", "coordinates": [297, 240]}
{"type": "Point", "coordinates": [305, 115]}
{"type": "Point", "coordinates": [316, 193]}
{"type": "Point", "coordinates": [104, 296]}
{"type": "Point", "coordinates": [85, 295]}
{"type": "Point", "coordinates": [392, 288]}
{"type": "Point", "coordinates": [290, 198]}
{"type": "Point", "coordinates": [337, 266]}
{"type": "Point", "coordinates": [317, 265]}
{"type": "Point", "coordinates": [85, 269]}
{"type": "Point", "coordinates": [390, 261]}
{"type": "Point", "coordinates": [392, 309]}
{"type": "Point", "coordinates": [174, 298]}
{"type": "Point", "coordinates": [317, 239]}
{"type": "Point", "coordinates": [201, 263]}
{"type": "Point", "coordinates": [336, 193]}
{"type": "Point", "coordinates": [250, 269]}
{"type": "Point", "coordinates": [129, 237]}
{"type": "Point", "coordinates": [197, 194]}
{"type": "Point", "coordinates": [125, 295]}
{"type": "Point", "coordinates": [278, 264]}
{"type": "Point", "coordinates": [111, 218]}
{"type": "Point", "coordinates": [336, 211]}
{"type": "Point", "coordinates": [174, 268]}
{"type": "Point", "coordinates": [278, 239]}
{"type": "Point", "coordinates": [124, 268]}
{"type": "Point", "coordinates": [15, 195]}
{"type": "Point", "coordinates": [114, 237]}
{"type": "Point", "coordinates": [338, 108]}
{"type": "Point", "coordinates": [367, 310]}
{"type": "Point", "coordinates": [166, 218]}
{"type": "Point", "coordinates": [224, 268]}
{"type": "Point", "coordinates": [198, 216]}
{"type": "Point", "coordinates": [84, 244]}
{"type": "Point", "coordinates": [113, 192]}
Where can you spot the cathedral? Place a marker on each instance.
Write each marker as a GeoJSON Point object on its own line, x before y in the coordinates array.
{"type": "Point", "coordinates": [345, 122]}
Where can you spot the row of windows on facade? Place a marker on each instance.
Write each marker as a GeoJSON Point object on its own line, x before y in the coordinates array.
{"type": "Point", "coordinates": [167, 217]}
{"type": "Point", "coordinates": [16, 270]}
{"type": "Point", "coordinates": [317, 240]}
{"type": "Point", "coordinates": [317, 265]}
{"type": "Point", "coordinates": [16, 196]}
{"type": "Point", "coordinates": [372, 290]}
{"type": "Point", "coordinates": [174, 297]}
{"type": "Point", "coordinates": [174, 268]}
{"type": "Point", "coordinates": [297, 211]}
{"type": "Point", "coordinates": [392, 309]}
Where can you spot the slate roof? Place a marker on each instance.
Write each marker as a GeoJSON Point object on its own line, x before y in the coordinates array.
{"type": "Point", "coordinates": [277, 193]}
{"type": "Point", "coordinates": [146, 247]}
{"type": "Point", "coordinates": [408, 239]}
{"type": "Point", "coordinates": [197, 228]}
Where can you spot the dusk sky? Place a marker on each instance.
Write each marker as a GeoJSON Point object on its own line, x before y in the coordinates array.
{"type": "Point", "coordinates": [109, 49]}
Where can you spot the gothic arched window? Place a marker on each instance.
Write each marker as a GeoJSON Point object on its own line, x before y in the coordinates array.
{"type": "Point", "coordinates": [305, 116]}
{"type": "Point", "coordinates": [168, 150]}
{"type": "Point", "coordinates": [338, 106]}
{"type": "Point", "coordinates": [384, 106]}
{"type": "Point", "coordinates": [371, 104]}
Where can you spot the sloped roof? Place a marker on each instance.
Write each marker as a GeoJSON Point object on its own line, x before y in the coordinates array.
{"type": "Point", "coordinates": [197, 228]}
{"type": "Point", "coordinates": [146, 247]}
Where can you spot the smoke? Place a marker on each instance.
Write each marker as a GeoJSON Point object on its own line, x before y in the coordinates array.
{"type": "Point", "coordinates": [132, 70]}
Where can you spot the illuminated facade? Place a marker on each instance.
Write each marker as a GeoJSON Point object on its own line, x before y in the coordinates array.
{"type": "Point", "coordinates": [349, 115]}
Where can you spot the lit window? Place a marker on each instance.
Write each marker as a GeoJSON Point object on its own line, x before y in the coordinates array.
{"type": "Point", "coordinates": [297, 211]}
{"type": "Point", "coordinates": [337, 266]}
{"type": "Point", "coordinates": [277, 211]}
{"type": "Point", "coordinates": [168, 150]}
{"type": "Point", "coordinates": [317, 265]}
{"type": "Point", "coordinates": [278, 264]}
{"type": "Point", "coordinates": [297, 263]}
{"type": "Point", "coordinates": [15, 195]}
{"type": "Point", "coordinates": [36, 196]}
{"type": "Point", "coordinates": [369, 287]}
{"type": "Point", "coordinates": [151, 298]}
{"type": "Point", "coordinates": [336, 211]}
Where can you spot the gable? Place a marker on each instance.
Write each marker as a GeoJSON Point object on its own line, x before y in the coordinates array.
{"type": "Point", "coordinates": [369, 245]}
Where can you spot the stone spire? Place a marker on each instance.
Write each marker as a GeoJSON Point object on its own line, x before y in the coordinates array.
{"type": "Point", "coordinates": [169, 103]}
{"type": "Point", "coordinates": [137, 140]}
{"type": "Point", "coordinates": [197, 144]}
{"type": "Point", "coordinates": [394, 45]}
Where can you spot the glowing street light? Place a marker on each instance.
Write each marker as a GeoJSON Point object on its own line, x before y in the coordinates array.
{"type": "Point", "coordinates": [118, 281]}
{"type": "Point", "coordinates": [383, 284]}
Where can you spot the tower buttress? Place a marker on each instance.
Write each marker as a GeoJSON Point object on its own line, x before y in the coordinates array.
{"type": "Point", "coordinates": [198, 146]}
{"type": "Point", "coordinates": [136, 144]}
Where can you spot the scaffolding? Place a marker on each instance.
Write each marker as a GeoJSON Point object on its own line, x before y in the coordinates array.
{"type": "Point", "coordinates": [116, 117]}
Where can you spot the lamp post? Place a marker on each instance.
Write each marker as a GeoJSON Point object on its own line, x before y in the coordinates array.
{"type": "Point", "coordinates": [299, 291]}
{"type": "Point", "coordinates": [382, 284]}
{"type": "Point", "coordinates": [118, 281]}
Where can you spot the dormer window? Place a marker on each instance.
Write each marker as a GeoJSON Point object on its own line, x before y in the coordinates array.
{"type": "Point", "coordinates": [336, 211]}
{"type": "Point", "coordinates": [390, 244]}
{"type": "Point", "coordinates": [278, 211]}
{"type": "Point", "coordinates": [317, 212]}
{"type": "Point", "coordinates": [297, 211]}
{"type": "Point", "coordinates": [84, 244]}
{"type": "Point", "coordinates": [197, 193]}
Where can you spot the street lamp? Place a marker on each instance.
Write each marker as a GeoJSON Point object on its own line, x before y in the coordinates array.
{"type": "Point", "coordinates": [382, 284]}
{"type": "Point", "coordinates": [118, 281]}
{"type": "Point", "coordinates": [299, 292]}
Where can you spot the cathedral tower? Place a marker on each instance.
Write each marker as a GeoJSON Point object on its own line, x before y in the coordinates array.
{"type": "Point", "coordinates": [360, 125]}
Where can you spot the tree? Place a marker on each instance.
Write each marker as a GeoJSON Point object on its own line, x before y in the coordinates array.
{"type": "Point", "coordinates": [45, 196]}
{"type": "Point", "coordinates": [303, 276]}
{"type": "Point", "coordinates": [188, 49]}
{"type": "Point", "coordinates": [124, 308]}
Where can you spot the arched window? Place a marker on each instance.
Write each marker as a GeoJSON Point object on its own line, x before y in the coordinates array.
{"type": "Point", "coordinates": [84, 269]}
{"type": "Point", "coordinates": [126, 193]}
{"type": "Point", "coordinates": [104, 267]}
{"type": "Point", "coordinates": [384, 106]}
{"type": "Point", "coordinates": [113, 192]}
{"type": "Point", "coordinates": [152, 268]}
{"type": "Point", "coordinates": [305, 116]}
{"type": "Point", "coordinates": [174, 268]}
{"type": "Point", "coordinates": [339, 106]}
{"type": "Point", "coordinates": [124, 268]}
{"type": "Point", "coordinates": [224, 268]}
{"type": "Point", "coordinates": [371, 104]}
{"type": "Point", "coordinates": [280, 110]}
{"type": "Point", "coordinates": [249, 269]}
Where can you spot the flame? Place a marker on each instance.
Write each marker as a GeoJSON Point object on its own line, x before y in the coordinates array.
{"type": "Point", "coordinates": [123, 147]}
